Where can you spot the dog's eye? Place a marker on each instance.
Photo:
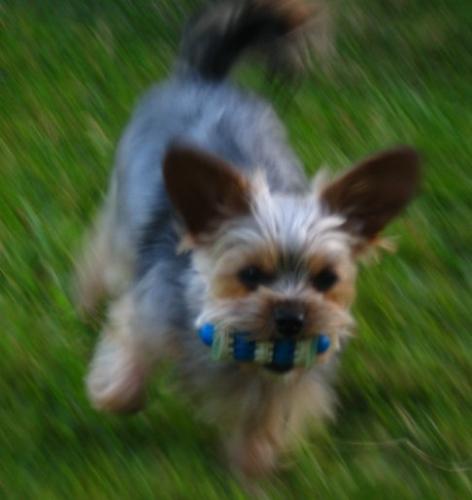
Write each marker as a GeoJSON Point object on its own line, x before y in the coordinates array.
{"type": "Point", "coordinates": [251, 277]}
{"type": "Point", "coordinates": [324, 280]}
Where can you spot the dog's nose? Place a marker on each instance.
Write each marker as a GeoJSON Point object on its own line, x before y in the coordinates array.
{"type": "Point", "coordinates": [289, 321]}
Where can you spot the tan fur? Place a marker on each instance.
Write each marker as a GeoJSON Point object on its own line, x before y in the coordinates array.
{"type": "Point", "coordinates": [290, 237]}
{"type": "Point", "coordinates": [295, 12]}
{"type": "Point", "coordinates": [227, 284]}
{"type": "Point", "coordinates": [119, 368]}
{"type": "Point", "coordinates": [228, 222]}
{"type": "Point", "coordinates": [90, 285]}
{"type": "Point", "coordinates": [104, 266]}
{"type": "Point", "coordinates": [277, 424]}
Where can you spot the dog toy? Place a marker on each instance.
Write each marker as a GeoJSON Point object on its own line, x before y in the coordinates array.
{"type": "Point", "coordinates": [281, 352]}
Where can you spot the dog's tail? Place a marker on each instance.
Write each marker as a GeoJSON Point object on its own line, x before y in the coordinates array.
{"type": "Point", "coordinates": [284, 30]}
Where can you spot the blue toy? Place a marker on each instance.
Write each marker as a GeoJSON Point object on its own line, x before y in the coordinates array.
{"type": "Point", "coordinates": [281, 352]}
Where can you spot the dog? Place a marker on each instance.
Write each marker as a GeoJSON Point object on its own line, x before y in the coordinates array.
{"type": "Point", "coordinates": [210, 219]}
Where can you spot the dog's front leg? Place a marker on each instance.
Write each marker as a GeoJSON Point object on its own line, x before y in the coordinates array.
{"type": "Point", "coordinates": [253, 455]}
{"type": "Point", "coordinates": [256, 444]}
{"type": "Point", "coordinates": [123, 360]}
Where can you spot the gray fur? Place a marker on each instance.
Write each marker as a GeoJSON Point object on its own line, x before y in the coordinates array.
{"type": "Point", "coordinates": [217, 117]}
{"type": "Point", "coordinates": [166, 291]}
{"type": "Point", "coordinates": [157, 308]}
{"type": "Point", "coordinates": [160, 294]}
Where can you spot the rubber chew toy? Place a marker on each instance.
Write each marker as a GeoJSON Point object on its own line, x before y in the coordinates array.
{"type": "Point", "coordinates": [282, 352]}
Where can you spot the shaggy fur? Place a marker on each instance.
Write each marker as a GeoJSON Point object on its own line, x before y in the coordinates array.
{"type": "Point", "coordinates": [206, 187]}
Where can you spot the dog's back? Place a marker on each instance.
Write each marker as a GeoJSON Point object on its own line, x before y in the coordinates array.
{"type": "Point", "coordinates": [197, 105]}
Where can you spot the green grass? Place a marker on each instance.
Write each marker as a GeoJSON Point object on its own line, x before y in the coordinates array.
{"type": "Point", "coordinates": [70, 72]}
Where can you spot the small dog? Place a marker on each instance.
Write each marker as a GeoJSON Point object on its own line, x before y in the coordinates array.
{"type": "Point", "coordinates": [209, 218]}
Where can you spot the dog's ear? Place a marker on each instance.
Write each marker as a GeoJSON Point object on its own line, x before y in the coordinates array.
{"type": "Point", "coordinates": [204, 189]}
{"type": "Point", "coordinates": [372, 193]}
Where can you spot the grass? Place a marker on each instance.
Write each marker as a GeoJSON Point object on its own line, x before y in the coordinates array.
{"type": "Point", "coordinates": [70, 72]}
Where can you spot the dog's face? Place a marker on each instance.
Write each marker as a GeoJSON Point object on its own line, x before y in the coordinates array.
{"type": "Point", "coordinates": [281, 265]}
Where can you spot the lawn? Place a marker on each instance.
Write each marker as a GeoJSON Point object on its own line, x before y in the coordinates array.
{"type": "Point", "coordinates": [70, 73]}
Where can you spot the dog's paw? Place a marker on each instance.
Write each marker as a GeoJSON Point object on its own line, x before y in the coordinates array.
{"type": "Point", "coordinates": [252, 458]}
{"type": "Point", "coordinates": [116, 380]}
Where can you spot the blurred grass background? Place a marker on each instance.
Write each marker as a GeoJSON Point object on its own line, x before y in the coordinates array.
{"type": "Point", "coordinates": [70, 72]}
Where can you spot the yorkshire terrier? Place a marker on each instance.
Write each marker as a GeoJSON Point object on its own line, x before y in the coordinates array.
{"type": "Point", "coordinates": [210, 220]}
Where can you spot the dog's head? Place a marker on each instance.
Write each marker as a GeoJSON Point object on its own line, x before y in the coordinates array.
{"type": "Point", "coordinates": [283, 265]}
